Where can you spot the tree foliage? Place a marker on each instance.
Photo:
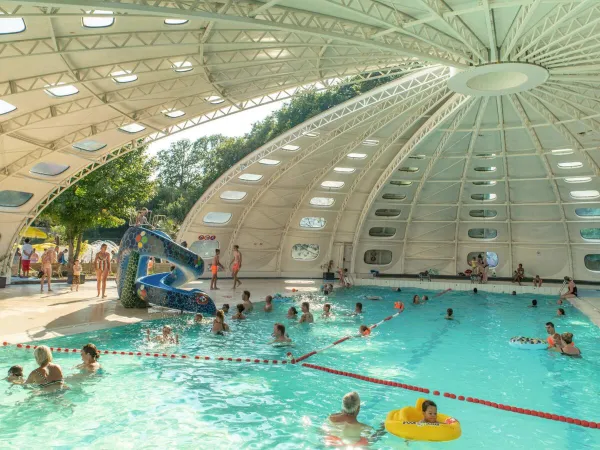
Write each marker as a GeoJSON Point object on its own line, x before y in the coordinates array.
{"type": "Point", "coordinates": [104, 198]}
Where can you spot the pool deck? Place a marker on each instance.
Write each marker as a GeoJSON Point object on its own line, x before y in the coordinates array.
{"type": "Point", "coordinates": [26, 315]}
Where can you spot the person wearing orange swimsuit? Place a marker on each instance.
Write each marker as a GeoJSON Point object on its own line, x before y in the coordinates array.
{"type": "Point", "coordinates": [236, 265]}
{"type": "Point", "coordinates": [102, 265]}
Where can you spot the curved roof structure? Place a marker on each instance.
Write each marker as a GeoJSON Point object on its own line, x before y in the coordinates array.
{"type": "Point", "coordinates": [496, 131]}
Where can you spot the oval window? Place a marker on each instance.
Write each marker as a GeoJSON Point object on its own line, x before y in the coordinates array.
{"type": "Point", "coordinates": [48, 169]}
{"type": "Point", "coordinates": [322, 201]}
{"type": "Point", "coordinates": [382, 232]}
{"type": "Point", "coordinates": [312, 222]}
{"type": "Point", "coordinates": [250, 177]}
{"type": "Point", "coordinates": [592, 262]}
{"type": "Point", "coordinates": [483, 233]}
{"type": "Point", "coordinates": [390, 196]}
{"type": "Point", "coordinates": [233, 195]}
{"type": "Point", "coordinates": [217, 218]}
{"type": "Point", "coordinates": [408, 169]}
{"type": "Point", "coordinates": [570, 165]}
{"type": "Point", "coordinates": [401, 183]}
{"type": "Point", "coordinates": [378, 257]}
{"type": "Point", "coordinates": [14, 199]}
{"type": "Point", "coordinates": [387, 212]}
{"type": "Point", "coordinates": [483, 213]}
{"type": "Point", "coordinates": [590, 234]}
{"type": "Point", "coordinates": [484, 183]}
{"type": "Point", "coordinates": [332, 184]}
{"type": "Point", "coordinates": [588, 212]}
{"type": "Point", "coordinates": [305, 252]}
{"type": "Point", "coordinates": [485, 169]}
{"type": "Point", "coordinates": [585, 195]}
{"type": "Point", "coordinates": [484, 197]}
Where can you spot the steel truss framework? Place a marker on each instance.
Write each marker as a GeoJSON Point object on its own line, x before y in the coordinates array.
{"type": "Point", "coordinates": [250, 53]}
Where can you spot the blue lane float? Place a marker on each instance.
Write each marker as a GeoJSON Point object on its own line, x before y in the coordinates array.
{"type": "Point", "coordinates": [162, 288]}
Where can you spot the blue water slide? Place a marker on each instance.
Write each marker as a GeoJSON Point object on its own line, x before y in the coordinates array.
{"type": "Point", "coordinates": [162, 288]}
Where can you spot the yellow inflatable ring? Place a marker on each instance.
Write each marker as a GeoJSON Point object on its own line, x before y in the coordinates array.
{"type": "Point", "coordinates": [405, 423]}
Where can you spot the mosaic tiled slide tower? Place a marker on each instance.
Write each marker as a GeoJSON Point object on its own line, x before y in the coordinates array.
{"type": "Point", "coordinates": [137, 246]}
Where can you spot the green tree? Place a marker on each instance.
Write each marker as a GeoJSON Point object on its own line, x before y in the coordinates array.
{"type": "Point", "coordinates": [104, 198]}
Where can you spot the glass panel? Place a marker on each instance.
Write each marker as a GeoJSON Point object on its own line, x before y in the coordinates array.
{"type": "Point", "coordinates": [269, 162]}
{"type": "Point", "coordinates": [305, 252]}
{"type": "Point", "coordinates": [484, 197]}
{"type": "Point", "coordinates": [98, 22]}
{"type": "Point", "coordinates": [89, 146]}
{"type": "Point", "coordinates": [591, 234]}
{"type": "Point", "coordinates": [312, 222]}
{"type": "Point", "coordinates": [214, 99]}
{"type": "Point", "coordinates": [408, 169]}
{"type": "Point", "coordinates": [344, 169]}
{"type": "Point", "coordinates": [11, 25]}
{"type": "Point", "coordinates": [132, 128]}
{"type": "Point", "coordinates": [357, 155]}
{"type": "Point", "coordinates": [218, 218]}
{"type": "Point", "coordinates": [578, 179]}
{"type": "Point", "coordinates": [390, 196]}
{"type": "Point", "coordinates": [60, 90]}
{"type": "Point", "coordinates": [124, 76]}
{"type": "Point", "coordinates": [48, 169]}
{"type": "Point", "coordinates": [483, 233]}
{"type": "Point", "coordinates": [588, 212]}
{"type": "Point", "coordinates": [562, 151]}
{"type": "Point", "coordinates": [322, 201]}
{"type": "Point", "coordinates": [417, 157]}
{"type": "Point", "coordinates": [485, 169]}
{"type": "Point", "coordinates": [233, 195]}
{"type": "Point", "coordinates": [175, 21]}
{"type": "Point", "coordinates": [311, 133]}
{"type": "Point", "coordinates": [250, 177]}
{"type": "Point", "coordinates": [491, 258]}
{"type": "Point", "coordinates": [370, 142]}
{"type": "Point", "coordinates": [382, 232]}
{"type": "Point", "coordinates": [173, 114]}
{"type": "Point", "coordinates": [579, 195]}
{"type": "Point", "coordinates": [401, 183]}
{"type": "Point", "coordinates": [6, 107]}
{"type": "Point", "coordinates": [182, 66]}
{"type": "Point", "coordinates": [332, 184]}
{"type": "Point", "coordinates": [484, 183]}
{"type": "Point", "coordinates": [387, 212]}
{"type": "Point", "coordinates": [378, 257]}
{"type": "Point", "coordinates": [205, 248]}
{"type": "Point", "coordinates": [592, 262]}
{"type": "Point", "coordinates": [485, 213]}
{"type": "Point", "coordinates": [570, 165]}
{"type": "Point", "coordinates": [485, 155]}
{"type": "Point", "coordinates": [13, 199]}
{"type": "Point", "coordinates": [291, 148]}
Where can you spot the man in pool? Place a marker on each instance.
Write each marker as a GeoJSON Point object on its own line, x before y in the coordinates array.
{"type": "Point", "coordinates": [240, 313]}
{"type": "Point", "coordinates": [533, 303]}
{"type": "Point", "coordinates": [279, 334]}
{"type": "Point", "coordinates": [349, 414]}
{"type": "Point", "coordinates": [166, 337]}
{"type": "Point", "coordinates": [248, 306]}
{"type": "Point", "coordinates": [307, 316]}
{"type": "Point", "coordinates": [552, 335]}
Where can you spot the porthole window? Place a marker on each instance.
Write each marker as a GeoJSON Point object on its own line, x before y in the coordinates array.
{"type": "Point", "coordinates": [578, 179]}
{"type": "Point", "coordinates": [382, 232]}
{"type": "Point", "coordinates": [250, 177]}
{"type": "Point", "coordinates": [417, 157]}
{"type": "Point", "coordinates": [485, 155]}
{"type": "Point", "coordinates": [103, 19]}
{"type": "Point", "coordinates": [11, 25]}
{"type": "Point", "coordinates": [305, 252]}
{"type": "Point", "coordinates": [183, 66]}
{"type": "Point", "coordinates": [563, 151]}
{"type": "Point", "coordinates": [390, 196]}
{"type": "Point", "coordinates": [291, 148]}
{"type": "Point", "coordinates": [217, 218]}
{"type": "Point", "coordinates": [491, 258]}
{"type": "Point", "coordinates": [123, 76]}
{"type": "Point", "coordinates": [60, 90]}
{"type": "Point", "coordinates": [89, 146]}
{"type": "Point", "coordinates": [570, 165]}
{"type": "Point", "coordinates": [176, 21]}
{"type": "Point", "coordinates": [484, 183]}
{"type": "Point", "coordinates": [311, 134]}
{"type": "Point", "coordinates": [401, 183]}
{"type": "Point", "coordinates": [408, 169]}
{"type": "Point", "coordinates": [483, 233]}
{"type": "Point", "coordinates": [585, 195]}
{"type": "Point", "coordinates": [592, 262]}
{"type": "Point", "coordinates": [370, 142]}
{"type": "Point", "coordinates": [387, 212]}
{"type": "Point", "coordinates": [590, 234]}
{"type": "Point", "coordinates": [484, 197]}
{"type": "Point", "coordinates": [173, 114]}
{"type": "Point", "coordinates": [483, 213]}
{"type": "Point", "coordinates": [357, 155]}
{"type": "Point", "coordinates": [378, 257]}
{"type": "Point", "coordinates": [485, 169]}
{"type": "Point", "coordinates": [205, 249]}
{"type": "Point", "coordinates": [48, 169]}
{"type": "Point", "coordinates": [14, 199]}
{"type": "Point", "coordinates": [312, 222]}
{"type": "Point", "coordinates": [332, 184]}
{"type": "Point", "coordinates": [344, 169]}
{"type": "Point", "coordinates": [322, 201]}
{"type": "Point", "coordinates": [6, 107]}
{"type": "Point", "coordinates": [269, 162]}
{"type": "Point", "coordinates": [588, 212]}
{"type": "Point", "coordinates": [214, 99]}
{"type": "Point", "coordinates": [132, 128]}
{"type": "Point", "coordinates": [233, 195]}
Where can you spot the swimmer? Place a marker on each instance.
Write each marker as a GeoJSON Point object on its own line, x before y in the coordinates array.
{"type": "Point", "coordinates": [326, 310]}
{"type": "Point", "coordinates": [551, 334]}
{"type": "Point", "coordinates": [358, 308]}
{"type": "Point", "coordinates": [15, 375]}
{"type": "Point", "coordinates": [198, 318]}
{"type": "Point", "coordinates": [89, 355]}
{"type": "Point", "coordinates": [449, 314]}
{"type": "Point", "coordinates": [248, 306]}
{"type": "Point", "coordinates": [533, 304]}
{"type": "Point", "coordinates": [166, 337]}
{"type": "Point", "coordinates": [514, 293]}
{"type": "Point", "coordinates": [429, 409]}
{"type": "Point", "coordinates": [225, 308]}
{"type": "Point", "coordinates": [424, 298]}
{"type": "Point", "coordinates": [364, 330]}
{"type": "Point", "coordinates": [292, 313]}
{"type": "Point", "coordinates": [397, 290]}
{"type": "Point", "coordinates": [567, 346]}
{"type": "Point", "coordinates": [560, 312]}
{"type": "Point", "coordinates": [279, 334]}
{"type": "Point", "coordinates": [307, 316]}
{"type": "Point", "coordinates": [268, 303]}
{"type": "Point", "coordinates": [240, 312]}
{"type": "Point", "coordinates": [219, 325]}
{"type": "Point", "coordinates": [416, 300]}
{"type": "Point", "coordinates": [474, 290]}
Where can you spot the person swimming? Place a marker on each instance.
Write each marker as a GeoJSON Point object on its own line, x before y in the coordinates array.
{"type": "Point", "coordinates": [429, 409]}
{"type": "Point", "coordinates": [15, 375]}
{"type": "Point", "coordinates": [326, 310]}
{"type": "Point", "coordinates": [198, 318]}
{"type": "Point", "coordinates": [560, 312]}
{"type": "Point", "coordinates": [449, 314]}
{"type": "Point", "coordinates": [424, 298]}
{"type": "Point", "coordinates": [307, 316]}
{"type": "Point", "coordinates": [89, 355]}
{"type": "Point", "coordinates": [292, 313]}
{"type": "Point", "coordinates": [533, 303]}
{"type": "Point", "coordinates": [474, 290]}
{"type": "Point", "coordinates": [219, 325]}
{"type": "Point", "coordinates": [358, 309]}
{"type": "Point", "coordinates": [280, 334]}
{"type": "Point", "coordinates": [364, 330]}
{"type": "Point", "coordinates": [240, 312]}
{"type": "Point", "coordinates": [416, 300]}
{"type": "Point", "coordinates": [225, 308]}
{"type": "Point", "coordinates": [268, 303]}
{"type": "Point", "coordinates": [166, 337]}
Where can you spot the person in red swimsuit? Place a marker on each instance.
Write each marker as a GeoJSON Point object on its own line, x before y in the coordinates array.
{"type": "Point", "coordinates": [236, 265]}
{"type": "Point", "coordinates": [214, 268]}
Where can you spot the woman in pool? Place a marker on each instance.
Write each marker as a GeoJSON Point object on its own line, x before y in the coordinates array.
{"type": "Point", "coordinates": [48, 376]}
{"type": "Point", "coordinates": [240, 312]}
{"type": "Point", "coordinates": [102, 265]}
{"type": "Point", "coordinates": [89, 355]}
{"type": "Point", "coordinates": [560, 312]}
{"type": "Point", "coordinates": [292, 313]}
{"type": "Point", "coordinates": [566, 345]}
{"type": "Point", "coordinates": [416, 300]}
{"type": "Point", "coordinates": [219, 325]}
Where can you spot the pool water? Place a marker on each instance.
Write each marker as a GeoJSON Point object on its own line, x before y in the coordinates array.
{"type": "Point", "coordinates": [146, 402]}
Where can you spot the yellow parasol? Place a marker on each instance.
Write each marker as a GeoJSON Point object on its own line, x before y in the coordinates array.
{"type": "Point", "coordinates": [36, 233]}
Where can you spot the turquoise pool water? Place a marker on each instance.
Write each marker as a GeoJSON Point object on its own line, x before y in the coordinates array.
{"type": "Point", "coordinates": [143, 402]}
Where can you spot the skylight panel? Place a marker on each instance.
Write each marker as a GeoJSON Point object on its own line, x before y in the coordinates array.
{"type": "Point", "coordinates": [103, 19]}
{"type": "Point", "coordinates": [250, 177]}
{"type": "Point", "coordinates": [344, 169]}
{"type": "Point", "coordinates": [123, 76]}
{"type": "Point", "coordinates": [11, 25]}
{"type": "Point", "coordinates": [291, 148]}
{"type": "Point", "coordinates": [60, 90]}
{"type": "Point", "coordinates": [173, 114]}
{"type": "Point", "coordinates": [182, 66]}
{"type": "Point", "coordinates": [570, 165]}
{"type": "Point", "coordinates": [269, 162]}
{"type": "Point", "coordinates": [357, 155]}
{"type": "Point", "coordinates": [332, 184]}
{"type": "Point", "coordinates": [132, 128]}
{"type": "Point", "coordinates": [176, 21]}
{"type": "Point", "coordinates": [6, 107]}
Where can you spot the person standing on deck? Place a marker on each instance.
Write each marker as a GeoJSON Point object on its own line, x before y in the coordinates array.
{"type": "Point", "coordinates": [236, 265]}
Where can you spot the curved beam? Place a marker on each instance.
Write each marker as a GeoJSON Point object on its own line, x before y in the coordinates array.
{"type": "Point", "coordinates": [446, 110]}
{"type": "Point", "coordinates": [517, 28]}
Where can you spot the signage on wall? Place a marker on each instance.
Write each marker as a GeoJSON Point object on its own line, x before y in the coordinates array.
{"type": "Point", "coordinates": [207, 237]}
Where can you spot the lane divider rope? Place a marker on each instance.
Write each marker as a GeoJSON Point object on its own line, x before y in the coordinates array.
{"type": "Point", "coordinates": [157, 355]}
{"type": "Point", "coordinates": [529, 412]}
{"type": "Point", "coordinates": [345, 338]}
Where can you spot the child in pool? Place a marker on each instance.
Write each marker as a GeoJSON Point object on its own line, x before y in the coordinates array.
{"type": "Point", "coordinates": [449, 314]}
{"type": "Point", "coordinates": [429, 409]}
{"type": "Point", "coordinates": [326, 310]}
{"type": "Point", "coordinates": [560, 312]}
{"type": "Point", "coordinates": [533, 303]}
{"type": "Point", "coordinates": [240, 314]}
{"type": "Point", "coordinates": [268, 303]}
{"type": "Point", "coordinates": [15, 375]}
{"type": "Point", "coordinates": [364, 330]}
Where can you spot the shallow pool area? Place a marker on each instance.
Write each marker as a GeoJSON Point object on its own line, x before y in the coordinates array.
{"type": "Point", "coordinates": [147, 401]}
